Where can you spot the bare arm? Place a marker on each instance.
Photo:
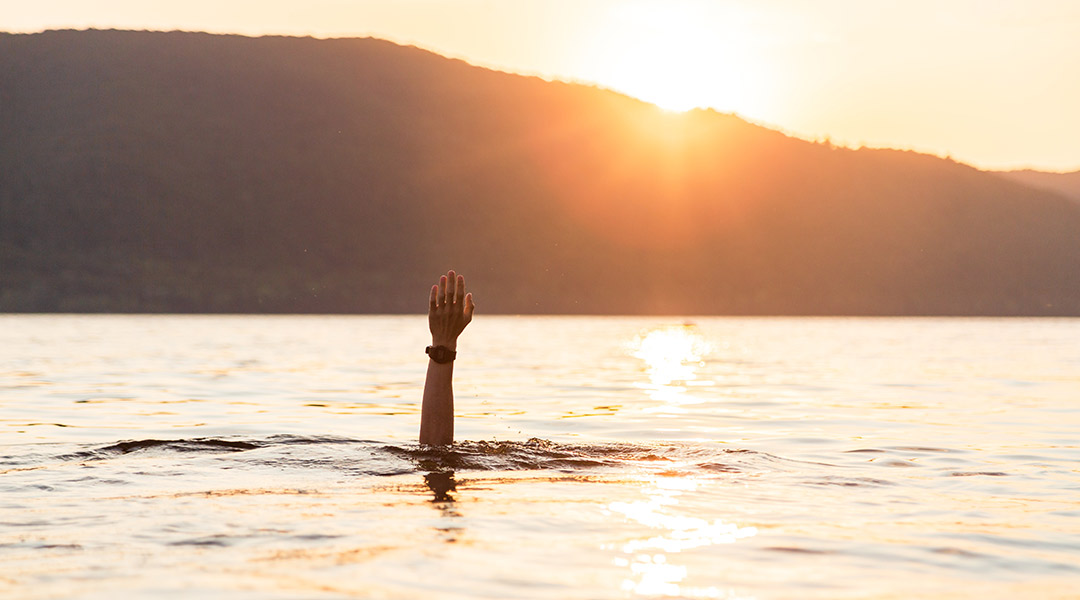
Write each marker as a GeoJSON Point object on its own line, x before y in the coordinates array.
{"type": "Point", "coordinates": [450, 309]}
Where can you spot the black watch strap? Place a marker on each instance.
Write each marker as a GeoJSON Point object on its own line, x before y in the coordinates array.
{"type": "Point", "coordinates": [440, 354]}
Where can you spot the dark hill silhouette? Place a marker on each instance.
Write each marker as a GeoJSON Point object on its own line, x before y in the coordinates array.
{"type": "Point", "coordinates": [1066, 184]}
{"type": "Point", "coordinates": [192, 172]}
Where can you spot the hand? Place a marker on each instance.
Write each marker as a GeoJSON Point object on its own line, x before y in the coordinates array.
{"type": "Point", "coordinates": [450, 309]}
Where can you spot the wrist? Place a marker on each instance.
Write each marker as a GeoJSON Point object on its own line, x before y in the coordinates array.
{"type": "Point", "coordinates": [451, 344]}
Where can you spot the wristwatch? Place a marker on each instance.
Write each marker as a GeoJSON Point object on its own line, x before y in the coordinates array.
{"type": "Point", "coordinates": [440, 354]}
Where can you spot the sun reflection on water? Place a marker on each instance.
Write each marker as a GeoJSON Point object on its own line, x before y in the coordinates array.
{"type": "Point", "coordinates": [672, 356]}
{"type": "Point", "coordinates": [652, 573]}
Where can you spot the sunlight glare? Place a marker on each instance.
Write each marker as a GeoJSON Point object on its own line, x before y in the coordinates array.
{"type": "Point", "coordinates": [671, 354]}
{"type": "Point", "coordinates": [653, 573]}
{"type": "Point", "coordinates": [674, 55]}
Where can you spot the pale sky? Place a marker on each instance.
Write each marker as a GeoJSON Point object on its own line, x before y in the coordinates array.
{"type": "Point", "coordinates": [994, 83]}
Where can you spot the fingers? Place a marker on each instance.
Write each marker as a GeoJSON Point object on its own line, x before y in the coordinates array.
{"type": "Point", "coordinates": [451, 291]}
{"type": "Point", "coordinates": [451, 286]}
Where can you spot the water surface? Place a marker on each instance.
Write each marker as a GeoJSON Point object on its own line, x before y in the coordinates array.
{"type": "Point", "coordinates": [274, 456]}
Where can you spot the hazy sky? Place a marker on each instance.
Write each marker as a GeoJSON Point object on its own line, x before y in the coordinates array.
{"type": "Point", "coordinates": [995, 83]}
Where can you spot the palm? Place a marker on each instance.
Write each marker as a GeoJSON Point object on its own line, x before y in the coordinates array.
{"type": "Point", "coordinates": [450, 309]}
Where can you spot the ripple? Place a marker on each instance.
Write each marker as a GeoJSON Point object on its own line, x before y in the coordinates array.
{"type": "Point", "coordinates": [796, 550]}
{"type": "Point", "coordinates": [218, 541]}
{"type": "Point", "coordinates": [367, 457]}
{"type": "Point", "coordinates": [850, 481]}
{"type": "Point", "coordinates": [192, 445]}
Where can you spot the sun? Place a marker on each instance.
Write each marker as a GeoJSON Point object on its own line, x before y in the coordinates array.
{"type": "Point", "coordinates": [677, 55]}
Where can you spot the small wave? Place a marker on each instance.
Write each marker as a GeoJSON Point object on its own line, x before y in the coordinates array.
{"type": "Point", "coordinates": [540, 454]}
{"type": "Point", "coordinates": [796, 550]}
{"type": "Point", "coordinates": [534, 454]}
{"type": "Point", "coordinates": [192, 445]}
{"type": "Point", "coordinates": [849, 481]}
{"type": "Point", "coordinates": [368, 457]}
{"type": "Point", "coordinates": [219, 541]}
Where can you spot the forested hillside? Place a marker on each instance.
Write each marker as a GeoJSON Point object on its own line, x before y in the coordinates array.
{"type": "Point", "coordinates": [188, 172]}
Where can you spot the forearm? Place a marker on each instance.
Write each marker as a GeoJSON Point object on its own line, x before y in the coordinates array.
{"type": "Point", "coordinates": [437, 410]}
{"type": "Point", "coordinates": [449, 310]}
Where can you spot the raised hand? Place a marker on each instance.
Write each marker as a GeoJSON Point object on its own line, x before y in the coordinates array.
{"type": "Point", "coordinates": [450, 309]}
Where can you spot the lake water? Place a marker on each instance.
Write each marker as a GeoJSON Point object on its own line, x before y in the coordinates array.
{"type": "Point", "coordinates": [275, 457]}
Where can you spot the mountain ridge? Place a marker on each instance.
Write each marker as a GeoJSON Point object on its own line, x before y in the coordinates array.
{"type": "Point", "coordinates": [189, 172]}
{"type": "Point", "coordinates": [1065, 183]}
